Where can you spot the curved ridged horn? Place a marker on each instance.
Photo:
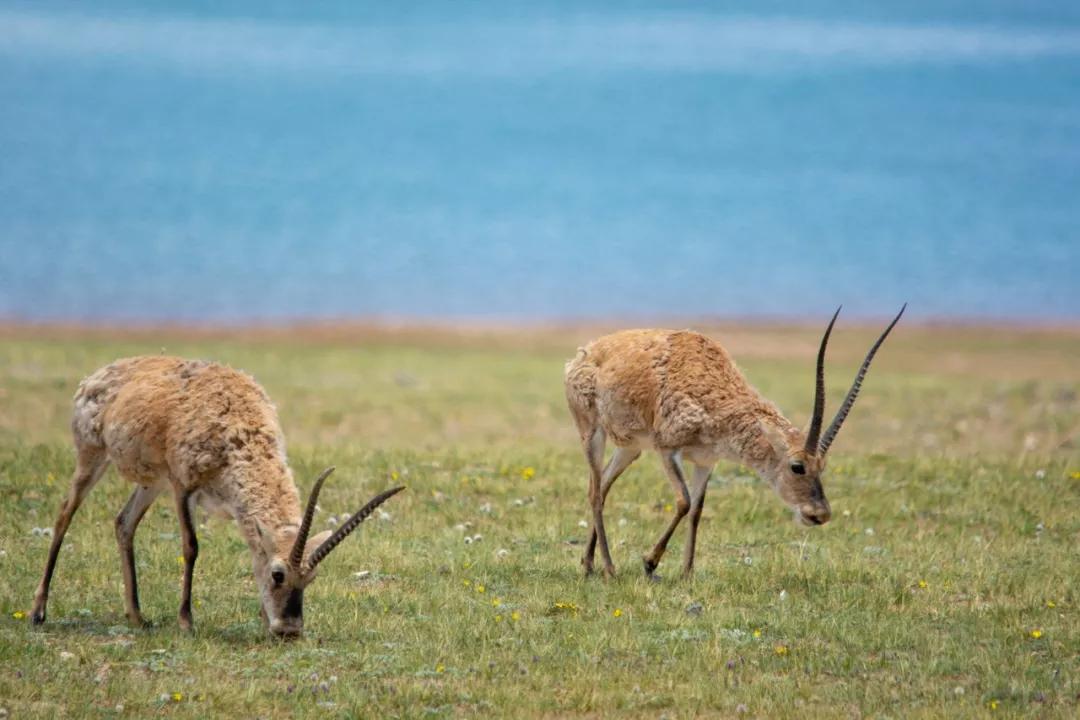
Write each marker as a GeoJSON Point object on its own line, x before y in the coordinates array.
{"type": "Point", "coordinates": [351, 524]}
{"type": "Point", "coordinates": [296, 557]}
{"type": "Point", "coordinates": [816, 417]}
{"type": "Point", "coordinates": [845, 408]}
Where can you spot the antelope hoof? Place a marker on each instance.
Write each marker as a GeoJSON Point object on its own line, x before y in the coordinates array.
{"type": "Point", "coordinates": [609, 572]}
{"type": "Point", "coordinates": [37, 617]}
{"type": "Point", "coordinates": [186, 624]}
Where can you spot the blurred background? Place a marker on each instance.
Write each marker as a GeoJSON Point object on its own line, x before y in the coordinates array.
{"type": "Point", "coordinates": [223, 163]}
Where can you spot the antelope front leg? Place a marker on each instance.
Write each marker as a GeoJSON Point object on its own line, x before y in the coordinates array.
{"type": "Point", "coordinates": [126, 523]}
{"type": "Point", "coordinates": [697, 504]}
{"type": "Point", "coordinates": [682, 506]}
{"type": "Point", "coordinates": [191, 552]}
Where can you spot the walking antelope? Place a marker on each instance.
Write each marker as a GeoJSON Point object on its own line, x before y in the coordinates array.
{"type": "Point", "coordinates": [679, 393]}
{"type": "Point", "coordinates": [211, 434]}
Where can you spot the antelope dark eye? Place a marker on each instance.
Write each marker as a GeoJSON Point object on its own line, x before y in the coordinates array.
{"type": "Point", "coordinates": [278, 576]}
{"type": "Point", "coordinates": [798, 468]}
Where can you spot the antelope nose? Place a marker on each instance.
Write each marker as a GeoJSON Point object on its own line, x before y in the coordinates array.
{"type": "Point", "coordinates": [286, 631]}
{"type": "Point", "coordinates": [815, 514]}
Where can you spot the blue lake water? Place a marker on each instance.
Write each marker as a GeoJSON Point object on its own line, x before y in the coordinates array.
{"type": "Point", "coordinates": [265, 160]}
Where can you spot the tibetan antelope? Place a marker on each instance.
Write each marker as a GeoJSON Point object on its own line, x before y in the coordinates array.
{"type": "Point", "coordinates": [211, 435]}
{"type": "Point", "coordinates": [679, 393]}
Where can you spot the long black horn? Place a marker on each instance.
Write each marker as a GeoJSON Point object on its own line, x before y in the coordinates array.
{"type": "Point", "coordinates": [853, 393]}
{"type": "Point", "coordinates": [814, 432]}
{"type": "Point", "coordinates": [351, 524]}
{"type": "Point", "coordinates": [296, 557]}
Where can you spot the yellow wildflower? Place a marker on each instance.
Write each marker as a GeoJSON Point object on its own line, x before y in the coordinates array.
{"type": "Point", "coordinates": [1036, 633]}
{"type": "Point", "coordinates": [180, 560]}
{"type": "Point", "coordinates": [480, 588]}
{"type": "Point", "coordinates": [668, 507]}
{"type": "Point", "coordinates": [528, 473]}
{"type": "Point", "coordinates": [466, 583]}
{"type": "Point", "coordinates": [617, 613]}
{"type": "Point", "coordinates": [440, 668]}
{"type": "Point", "coordinates": [496, 602]}
{"type": "Point", "coordinates": [498, 618]}
{"type": "Point", "coordinates": [18, 615]}
{"type": "Point", "coordinates": [993, 704]}
{"type": "Point", "coordinates": [923, 584]}
{"type": "Point", "coordinates": [757, 632]}
{"type": "Point", "coordinates": [1051, 604]}
{"type": "Point", "coordinates": [177, 697]}
{"type": "Point", "coordinates": [564, 607]}
{"type": "Point", "coordinates": [394, 475]}
{"type": "Point", "coordinates": [1075, 474]}
{"type": "Point", "coordinates": [515, 616]}
{"type": "Point", "coordinates": [781, 650]}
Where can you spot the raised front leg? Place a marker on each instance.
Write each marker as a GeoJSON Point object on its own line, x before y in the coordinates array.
{"type": "Point", "coordinates": [682, 506]}
{"type": "Point", "coordinates": [91, 463]}
{"type": "Point", "coordinates": [126, 523]}
{"type": "Point", "coordinates": [697, 503]}
{"type": "Point", "coordinates": [191, 552]}
{"type": "Point", "coordinates": [620, 460]}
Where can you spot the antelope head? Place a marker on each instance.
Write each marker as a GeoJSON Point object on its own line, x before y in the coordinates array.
{"type": "Point", "coordinates": [798, 476]}
{"type": "Point", "coordinates": [288, 561]}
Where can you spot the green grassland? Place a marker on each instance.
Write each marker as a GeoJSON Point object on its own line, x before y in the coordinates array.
{"type": "Point", "coordinates": [947, 584]}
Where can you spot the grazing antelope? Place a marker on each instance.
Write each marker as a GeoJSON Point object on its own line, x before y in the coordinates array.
{"type": "Point", "coordinates": [211, 434]}
{"type": "Point", "coordinates": [679, 393]}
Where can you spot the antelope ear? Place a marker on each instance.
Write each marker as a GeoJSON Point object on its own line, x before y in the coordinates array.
{"type": "Point", "coordinates": [266, 539]}
{"type": "Point", "coordinates": [776, 438]}
{"type": "Point", "coordinates": [315, 541]}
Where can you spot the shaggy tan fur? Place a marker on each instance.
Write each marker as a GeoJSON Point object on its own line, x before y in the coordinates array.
{"type": "Point", "coordinates": [211, 435]}
{"type": "Point", "coordinates": [680, 393]}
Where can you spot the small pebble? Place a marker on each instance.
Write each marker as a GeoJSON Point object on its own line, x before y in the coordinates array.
{"type": "Point", "coordinates": [501, 553]}
{"type": "Point", "coordinates": [694, 609]}
{"type": "Point", "coordinates": [65, 655]}
{"type": "Point", "coordinates": [582, 524]}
